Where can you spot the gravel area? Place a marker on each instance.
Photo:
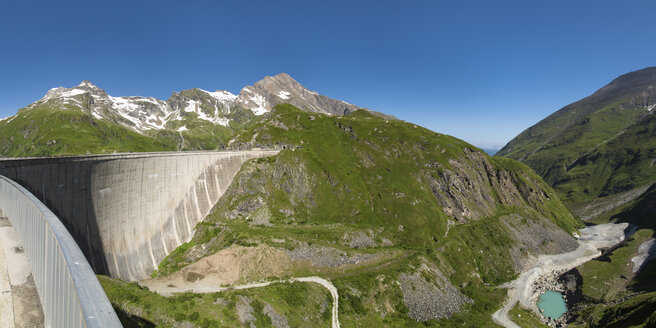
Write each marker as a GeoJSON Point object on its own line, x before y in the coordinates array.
{"type": "Point", "coordinates": [277, 320]}
{"type": "Point", "coordinates": [245, 311]}
{"type": "Point", "coordinates": [359, 239]}
{"type": "Point", "coordinates": [323, 256]}
{"type": "Point", "coordinates": [431, 298]}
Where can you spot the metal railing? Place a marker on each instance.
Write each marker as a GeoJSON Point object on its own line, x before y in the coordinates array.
{"type": "Point", "coordinates": [70, 293]}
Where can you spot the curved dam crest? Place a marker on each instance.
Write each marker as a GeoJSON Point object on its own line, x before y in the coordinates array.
{"type": "Point", "coordinates": [129, 211]}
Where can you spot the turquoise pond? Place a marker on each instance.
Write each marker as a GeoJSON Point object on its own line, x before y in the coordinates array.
{"type": "Point", "coordinates": [552, 304]}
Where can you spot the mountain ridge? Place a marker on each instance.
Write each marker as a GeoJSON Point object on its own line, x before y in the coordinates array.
{"type": "Point", "coordinates": [190, 119]}
{"type": "Point", "coordinates": [148, 113]}
{"type": "Point", "coordinates": [567, 138]}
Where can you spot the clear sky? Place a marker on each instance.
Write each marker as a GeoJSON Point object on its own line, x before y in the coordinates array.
{"type": "Point", "coordinates": [482, 71]}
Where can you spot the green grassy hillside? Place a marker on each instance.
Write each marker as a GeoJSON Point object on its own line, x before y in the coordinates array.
{"type": "Point", "coordinates": [48, 131]}
{"type": "Point", "coordinates": [580, 148]}
{"type": "Point", "coordinates": [423, 206]}
{"type": "Point", "coordinates": [621, 164]}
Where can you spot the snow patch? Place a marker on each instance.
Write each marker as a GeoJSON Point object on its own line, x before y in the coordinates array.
{"type": "Point", "coordinates": [9, 118]}
{"type": "Point", "coordinates": [183, 128]}
{"type": "Point", "coordinates": [649, 108]}
{"type": "Point", "coordinates": [72, 93]}
{"type": "Point", "coordinates": [260, 103]}
{"type": "Point", "coordinates": [87, 84]}
{"type": "Point", "coordinates": [193, 106]}
{"type": "Point", "coordinates": [131, 108]}
{"type": "Point", "coordinates": [646, 252]}
{"type": "Point", "coordinates": [284, 95]}
{"type": "Point", "coordinates": [222, 96]}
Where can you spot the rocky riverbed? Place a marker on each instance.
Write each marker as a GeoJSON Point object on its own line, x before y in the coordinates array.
{"type": "Point", "coordinates": [546, 269]}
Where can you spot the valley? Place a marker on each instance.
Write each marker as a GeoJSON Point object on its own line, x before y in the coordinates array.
{"type": "Point", "coordinates": [333, 164]}
{"type": "Point", "coordinates": [597, 154]}
{"type": "Point", "coordinates": [346, 217]}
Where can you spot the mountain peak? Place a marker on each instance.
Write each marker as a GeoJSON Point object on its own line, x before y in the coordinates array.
{"type": "Point", "coordinates": [87, 83]}
{"type": "Point", "coordinates": [277, 81]}
{"type": "Point", "coordinates": [282, 88]}
{"type": "Point", "coordinates": [640, 79]}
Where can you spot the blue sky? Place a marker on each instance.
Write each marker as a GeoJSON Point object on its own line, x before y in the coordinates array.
{"type": "Point", "coordinates": [482, 71]}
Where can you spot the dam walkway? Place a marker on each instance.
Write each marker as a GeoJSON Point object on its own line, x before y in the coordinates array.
{"type": "Point", "coordinates": [20, 305]}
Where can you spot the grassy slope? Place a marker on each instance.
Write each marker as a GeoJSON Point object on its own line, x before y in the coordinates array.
{"type": "Point", "coordinates": [525, 318]}
{"type": "Point", "coordinates": [138, 307]}
{"type": "Point", "coordinates": [200, 134]}
{"type": "Point", "coordinates": [639, 311]}
{"type": "Point", "coordinates": [621, 164]}
{"type": "Point", "coordinates": [587, 128]}
{"type": "Point", "coordinates": [608, 278]}
{"type": "Point", "coordinates": [552, 158]}
{"type": "Point", "coordinates": [362, 172]}
{"type": "Point", "coordinates": [636, 311]}
{"type": "Point", "coordinates": [46, 131]}
{"type": "Point", "coordinates": [604, 282]}
{"type": "Point", "coordinates": [53, 131]}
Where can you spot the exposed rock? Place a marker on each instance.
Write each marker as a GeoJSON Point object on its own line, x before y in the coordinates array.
{"type": "Point", "coordinates": [282, 88]}
{"type": "Point", "coordinates": [245, 311]}
{"type": "Point", "coordinates": [359, 239]}
{"type": "Point", "coordinates": [261, 217]}
{"type": "Point", "coordinates": [277, 320]}
{"type": "Point", "coordinates": [322, 256]}
{"type": "Point", "coordinates": [541, 237]}
{"type": "Point", "coordinates": [429, 295]}
{"type": "Point", "coordinates": [471, 189]}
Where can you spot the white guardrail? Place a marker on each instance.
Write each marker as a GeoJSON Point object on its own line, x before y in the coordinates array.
{"type": "Point", "coordinates": [70, 293]}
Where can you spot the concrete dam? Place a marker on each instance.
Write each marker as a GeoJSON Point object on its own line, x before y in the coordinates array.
{"type": "Point", "coordinates": [129, 211]}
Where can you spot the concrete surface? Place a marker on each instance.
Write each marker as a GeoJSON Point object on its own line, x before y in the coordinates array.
{"type": "Point", "coordinates": [6, 299]}
{"type": "Point", "coordinates": [128, 211]}
{"type": "Point", "coordinates": [20, 303]}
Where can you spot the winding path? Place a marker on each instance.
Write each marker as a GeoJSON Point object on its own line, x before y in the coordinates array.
{"type": "Point", "coordinates": [522, 289]}
{"type": "Point", "coordinates": [323, 282]}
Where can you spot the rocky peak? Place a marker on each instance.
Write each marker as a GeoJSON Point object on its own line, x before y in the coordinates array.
{"type": "Point", "coordinates": [638, 88]}
{"type": "Point", "coordinates": [262, 96]}
{"type": "Point", "coordinates": [88, 86]}
{"type": "Point", "coordinates": [277, 82]}
{"type": "Point", "coordinates": [219, 107]}
{"type": "Point", "coordinates": [85, 87]}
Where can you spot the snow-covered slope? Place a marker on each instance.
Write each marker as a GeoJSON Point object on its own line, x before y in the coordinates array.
{"type": "Point", "coordinates": [143, 113]}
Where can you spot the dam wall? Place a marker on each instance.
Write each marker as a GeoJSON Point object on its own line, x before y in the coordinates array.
{"type": "Point", "coordinates": [128, 211]}
{"type": "Point", "coordinates": [70, 293]}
